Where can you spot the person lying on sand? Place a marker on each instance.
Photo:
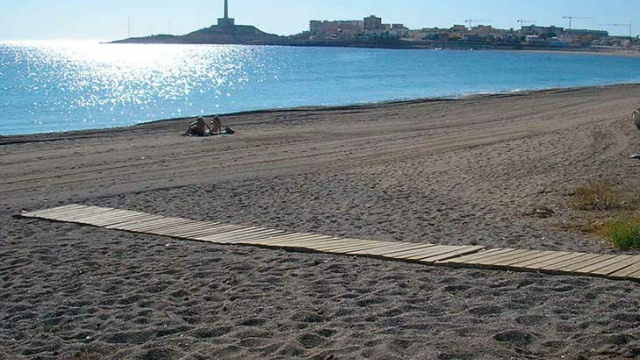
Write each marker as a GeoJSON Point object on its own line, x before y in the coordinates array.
{"type": "Point", "coordinates": [198, 128]}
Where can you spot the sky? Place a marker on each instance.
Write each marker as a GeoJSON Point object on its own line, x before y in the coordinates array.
{"type": "Point", "coordinates": [108, 19]}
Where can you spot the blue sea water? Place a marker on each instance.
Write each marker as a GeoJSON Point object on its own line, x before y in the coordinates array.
{"type": "Point", "coordinates": [59, 86]}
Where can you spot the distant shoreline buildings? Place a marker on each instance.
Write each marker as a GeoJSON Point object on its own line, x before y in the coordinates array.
{"type": "Point", "coordinates": [372, 27]}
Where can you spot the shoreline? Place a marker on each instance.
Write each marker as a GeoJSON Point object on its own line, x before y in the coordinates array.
{"type": "Point", "coordinates": [62, 135]}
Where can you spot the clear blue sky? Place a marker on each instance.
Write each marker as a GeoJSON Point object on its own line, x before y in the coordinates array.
{"type": "Point", "coordinates": [106, 20]}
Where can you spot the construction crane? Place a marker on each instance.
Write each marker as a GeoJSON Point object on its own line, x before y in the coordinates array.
{"type": "Point", "coordinates": [472, 21]}
{"type": "Point", "coordinates": [629, 26]}
{"type": "Point", "coordinates": [574, 17]}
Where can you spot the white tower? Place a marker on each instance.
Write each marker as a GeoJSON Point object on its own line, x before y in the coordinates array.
{"type": "Point", "coordinates": [226, 20]}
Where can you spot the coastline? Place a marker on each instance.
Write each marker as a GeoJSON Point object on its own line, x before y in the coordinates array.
{"type": "Point", "coordinates": [391, 44]}
{"type": "Point", "coordinates": [53, 136]}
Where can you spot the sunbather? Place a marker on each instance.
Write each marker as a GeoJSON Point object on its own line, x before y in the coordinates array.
{"type": "Point", "coordinates": [198, 128]}
{"type": "Point", "coordinates": [216, 125]}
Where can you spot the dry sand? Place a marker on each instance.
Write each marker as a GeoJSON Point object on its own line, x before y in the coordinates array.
{"type": "Point", "coordinates": [444, 171]}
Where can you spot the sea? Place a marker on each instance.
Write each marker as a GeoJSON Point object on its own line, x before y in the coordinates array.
{"type": "Point", "coordinates": [62, 86]}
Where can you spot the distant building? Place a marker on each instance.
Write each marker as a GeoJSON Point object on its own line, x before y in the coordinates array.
{"type": "Point", "coordinates": [581, 37]}
{"type": "Point", "coordinates": [483, 31]}
{"type": "Point", "coordinates": [226, 20]}
{"type": "Point", "coordinates": [535, 40]}
{"type": "Point", "coordinates": [545, 31]}
{"type": "Point", "coordinates": [369, 27]}
{"type": "Point", "coordinates": [372, 23]}
{"type": "Point", "coordinates": [339, 29]}
{"type": "Point", "coordinates": [614, 41]}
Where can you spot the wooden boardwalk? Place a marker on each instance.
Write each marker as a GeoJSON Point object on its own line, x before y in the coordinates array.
{"type": "Point", "coordinates": [556, 262]}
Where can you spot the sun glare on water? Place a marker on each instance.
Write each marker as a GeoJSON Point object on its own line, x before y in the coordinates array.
{"type": "Point", "coordinates": [160, 81]}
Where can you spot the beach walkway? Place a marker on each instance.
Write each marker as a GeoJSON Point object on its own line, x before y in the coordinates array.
{"type": "Point", "coordinates": [621, 267]}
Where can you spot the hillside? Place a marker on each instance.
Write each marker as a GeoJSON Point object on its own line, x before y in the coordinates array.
{"type": "Point", "coordinates": [216, 34]}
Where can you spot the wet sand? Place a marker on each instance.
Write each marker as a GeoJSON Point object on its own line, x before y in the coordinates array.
{"type": "Point", "coordinates": [466, 171]}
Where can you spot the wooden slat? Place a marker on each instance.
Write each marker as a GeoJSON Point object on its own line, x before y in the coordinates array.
{"type": "Point", "coordinates": [41, 213]}
{"type": "Point", "coordinates": [220, 238]}
{"type": "Point", "coordinates": [167, 229]}
{"type": "Point", "coordinates": [248, 237]}
{"type": "Point", "coordinates": [302, 244]}
{"type": "Point", "coordinates": [187, 228]}
{"type": "Point", "coordinates": [140, 226]}
{"type": "Point", "coordinates": [123, 225]}
{"type": "Point", "coordinates": [224, 234]}
{"type": "Point", "coordinates": [158, 225]}
{"type": "Point", "coordinates": [439, 251]}
{"type": "Point", "coordinates": [542, 265]}
{"type": "Point", "coordinates": [634, 276]}
{"type": "Point", "coordinates": [391, 254]}
{"type": "Point", "coordinates": [154, 228]}
{"type": "Point", "coordinates": [282, 238]}
{"type": "Point", "coordinates": [604, 264]}
{"type": "Point", "coordinates": [307, 245]}
{"type": "Point", "coordinates": [90, 219]}
{"type": "Point", "coordinates": [534, 254]}
{"type": "Point", "coordinates": [608, 270]}
{"type": "Point", "coordinates": [334, 245]}
{"type": "Point", "coordinates": [588, 263]}
{"type": "Point", "coordinates": [512, 255]}
{"type": "Point", "coordinates": [456, 253]}
{"type": "Point", "coordinates": [412, 252]}
{"type": "Point", "coordinates": [79, 214]}
{"type": "Point", "coordinates": [216, 229]}
{"type": "Point", "coordinates": [118, 219]}
{"type": "Point", "coordinates": [70, 209]}
{"type": "Point", "coordinates": [186, 232]}
{"type": "Point", "coordinates": [624, 273]}
{"type": "Point", "coordinates": [99, 216]}
{"type": "Point", "coordinates": [382, 246]}
{"type": "Point", "coordinates": [366, 245]}
{"type": "Point", "coordinates": [424, 253]}
{"type": "Point", "coordinates": [354, 245]}
{"type": "Point", "coordinates": [234, 239]}
{"type": "Point", "coordinates": [573, 263]}
{"type": "Point", "coordinates": [527, 264]}
{"type": "Point", "coordinates": [390, 249]}
{"type": "Point", "coordinates": [320, 245]}
{"type": "Point", "coordinates": [267, 234]}
{"type": "Point", "coordinates": [219, 232]}
{"type": "Point", "coordinates": [469, 259]}
{"type": "Point", "coordinates": [290, 239]}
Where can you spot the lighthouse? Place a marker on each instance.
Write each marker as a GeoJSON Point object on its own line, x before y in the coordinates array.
{"type": "Point", "coordinates": [226, 20]}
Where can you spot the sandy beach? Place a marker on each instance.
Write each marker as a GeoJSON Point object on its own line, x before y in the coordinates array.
{"type": "Point", "coordinates": [465, 171]}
